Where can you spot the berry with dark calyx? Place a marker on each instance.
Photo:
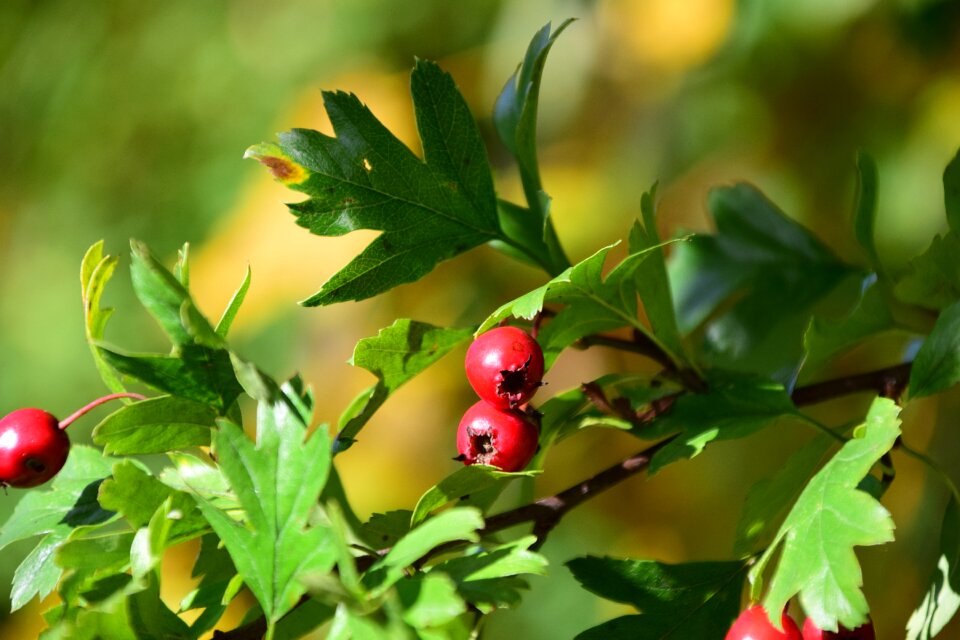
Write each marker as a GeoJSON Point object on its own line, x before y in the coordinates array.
{"type": "Point", "coordinates": [503, 438]}
{"type": "Point", "coordinates": [505, 366]}
{"type": "Point", "coordinates": [812, 632]}
{"type": "Point", "coordinates": [753, 624]}
{"type": "Point", "coordinates": [34, 444]}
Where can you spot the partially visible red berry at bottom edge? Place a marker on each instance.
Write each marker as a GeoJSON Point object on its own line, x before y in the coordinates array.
{"type": "Point", "coordinates": [753, 624]}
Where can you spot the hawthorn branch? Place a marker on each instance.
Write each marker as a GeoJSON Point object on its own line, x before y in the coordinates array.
{"type": "Point", "coordinates": [547, 512]}
{"type": "Point", "coordinates": [889, 382]}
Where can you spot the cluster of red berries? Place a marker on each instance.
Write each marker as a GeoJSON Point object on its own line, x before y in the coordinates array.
{"type": "Point", "coordinates": [753, 624]}
{"type": "Point", "coordinates": [34, 444]}
{"type": "Point", "coordinates": [505, 368]}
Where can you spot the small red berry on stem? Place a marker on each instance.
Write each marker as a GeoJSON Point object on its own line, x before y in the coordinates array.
{"type": "Point", "coordinates": [505, 366]}
{"type": "Point", "coordinates": [753, 624]}
{"type": "Point", "coordinates": [34, 444]}
{"type": "Point", "coordinates": [812, 632]}
{"type": "Point", "coordinates": [503, 438]}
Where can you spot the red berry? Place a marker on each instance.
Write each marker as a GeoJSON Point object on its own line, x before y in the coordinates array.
{"type": "Point", "coordinates": [503, 438]}
{"type": "Point", "coordinates": [753, 624]}
{"type": "Point", "coordinates": [505, 366]}
{"type": "Point", "coordinates": [812, 632]}
{"type": "Point", "coordinates": [34, 444]}
{"type": "Point", "coordinates": [33, 448]}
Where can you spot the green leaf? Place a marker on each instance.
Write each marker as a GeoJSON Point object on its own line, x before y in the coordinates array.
{"type": "Point", "coordinates": [395, 355]}
{"type": "Point", "coordinates": [163, 295]}
{"type": "Point", "coordinates": [503, 561]}
{"type": "Point", "coordinates": [515, 117]}
{"type": "Point", "coordinates": [365, 178]}
{"type": "Point", "coordinates": [95, 271]}
{"type": "Point", "coordinates": [768, 500]}
{"type": "Point", "coordinates": [404, 349]}
{"type": "Point", "coordinates": [937, 365]}
{"type": "Point", "coordinates": [831, 517]}
{"type": "Point", "coordinates": [458, 484]}
{"type": "Point", "coordinates": [215, 569]}
{"type": "Point", "coordinates": [460, 523]}
{"type": "Point", "coordinates": [429, 600]}
{"type": "Point", "coordinates": [942, 599]}
{"type": "Point", "coordinates": [865, 207]}
{"type": "Point", "coordinates": [195, 476]}
{"type": "Point", "coordinates": [734, 407]}
{"type": "Point", "coordinates": [384, 529]}
{"type": "Point", "coordinates": [305, 618]}
{"type": "Point", "coordinates": [155, 426]}
{"type": "Point", "coordinates": [592, 303]}
{"type": "Point", "coordinates": [693, 600]}
{"type": "Point", "coordinates": [99, 554]}
{"type": "Point", "coordinates": [37, 575]}
{"type": "Point", "coordinates": [149, 543]}
{"type": "Point", "coordinates": [753, 284]}
{"type": "Point", "coordinates": [197, 373]}
{"type": "Point", "coordinates": [951, 193]}
{"type": "Point", "coordinates": [933, 278]}
{"type": "Point", "coordinates": [825, 338]}
{"type": "Point", "coordinates": [150, 618]}
{"type": "Point", "coordinates": [71, 502]}
{"type": "Point", "coordinates": [277, 482]}
{"type": "Point", "coordinates": [651, 279]}
{"type": "Point", "coordinates": [133, 493]}
{"type": "Point", "coordinates": [230, 313]}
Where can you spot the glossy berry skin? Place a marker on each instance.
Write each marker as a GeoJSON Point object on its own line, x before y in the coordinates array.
{"type": "Point", "coordinates": [502, 438]}
{"type": "Point", "coordinates": [505, 366]}
{"type": "Point", "coordinates": [33, 448]}
{"type": "Point", "coordinates": [812, 632]}
{"type": "Point", "coordinates": [753, 624]}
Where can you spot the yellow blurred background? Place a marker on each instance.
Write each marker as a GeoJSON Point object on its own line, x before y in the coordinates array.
{"type": "Point", "coordinates": [129, 119]}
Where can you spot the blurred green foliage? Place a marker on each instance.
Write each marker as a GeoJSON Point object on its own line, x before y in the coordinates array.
{"type": "Point", "coordinates": [129, 118]}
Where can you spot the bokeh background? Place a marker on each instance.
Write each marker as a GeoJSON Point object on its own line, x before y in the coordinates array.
{"type": "Point", "coordinates": [129, 119]}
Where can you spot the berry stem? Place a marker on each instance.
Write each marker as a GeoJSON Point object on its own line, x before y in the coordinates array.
{"type": "Point", "coordinates": [66, 422]}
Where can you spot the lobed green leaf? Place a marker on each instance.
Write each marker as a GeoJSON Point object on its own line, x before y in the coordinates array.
{"type": "Point", "coordinates": [593, 303]}
{"type": "Point", "coordinates": [395, 355]}
{"type": "Point", "coordinates": [364, 178]}
{"type": "Point", "coordinates": [753, 284]}
{"type": "Point", "coordinates": [830, 517]}
{"type": "Point", "coordinates": [277, 482]}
